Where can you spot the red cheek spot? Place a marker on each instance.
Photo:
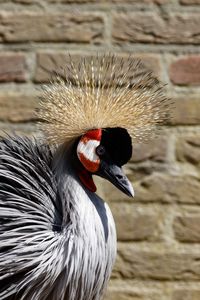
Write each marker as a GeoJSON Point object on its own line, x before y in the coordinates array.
{"type": "Point", "coordinates": [91, 166]}
{"type": "Point", "coordinates": [94, 134]}
{"type": "Point", "coordinates": [86, 178]}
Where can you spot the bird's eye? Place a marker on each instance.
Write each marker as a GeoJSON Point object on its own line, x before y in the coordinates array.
{"type": "Point", "coordinates": [100, 150]}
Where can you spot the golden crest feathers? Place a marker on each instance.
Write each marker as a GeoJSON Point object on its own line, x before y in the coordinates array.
{"type": "Point", "coordinates": [101, 92]}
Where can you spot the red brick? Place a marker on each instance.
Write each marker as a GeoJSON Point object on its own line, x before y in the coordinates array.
{"type": "Point", "coordinates": [148, 27]}
{"type": "Point", "coordinates": [46, 27]}
{"type": "Point", "coordinates": [186, 70]}
{"type": "Point", "coordinates": [187, 228]}
{"type": "Point", "coordinates": [12, 67]}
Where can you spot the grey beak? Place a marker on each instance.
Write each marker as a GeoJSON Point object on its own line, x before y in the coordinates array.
{"type": "Point", "coordinates": [115, 175]}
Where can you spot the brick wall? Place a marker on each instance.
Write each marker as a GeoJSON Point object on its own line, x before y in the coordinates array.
{"type": "Point", "coordinates": [158, 230]}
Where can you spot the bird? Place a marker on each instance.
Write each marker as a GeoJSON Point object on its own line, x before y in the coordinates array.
{"type": "Point", "coordinates": [57, 236]}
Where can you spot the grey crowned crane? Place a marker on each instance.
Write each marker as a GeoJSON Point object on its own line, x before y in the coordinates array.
{"type": "Point", "coordinates": [57, 236]}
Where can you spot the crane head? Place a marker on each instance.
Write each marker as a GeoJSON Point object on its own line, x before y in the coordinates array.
{"type": "Point", "coordinates": [103, 152]}
{"type": "Point", "coordinates": [99, 106]}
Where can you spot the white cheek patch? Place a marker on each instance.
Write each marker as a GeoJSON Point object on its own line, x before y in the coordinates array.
{"type": "Point", "coordinates": [88, 149]}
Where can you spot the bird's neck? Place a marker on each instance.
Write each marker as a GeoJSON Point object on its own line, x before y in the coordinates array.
{"type": "Point", "coordinates": [70, 187]}
{"type": "Point", "coordinates": [78, 203]}
{"type": "Point", "coordinates": [65, 168]}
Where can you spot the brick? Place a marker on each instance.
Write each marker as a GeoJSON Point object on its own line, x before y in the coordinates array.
{"type": "Point", "coordinates": [17, 108]}
{"type": "Point", "coordinates": [134, 226]}
{"type": "Point", "coordinates": [12, 67]}
{"type": "Point", "coordinates": [186, 294]}
{"type": "Point", "coordinates": [74, 1]}
{"type": "Point", "coordinates": [187, 228]}
{"type": "Point", "coordinates": [140, 171]}
{"type": "Point", "coordinates": [25, 1]}
{"type": "Point", "coordinates": [47, 62]}
{"type": "Point", "coordinates": [186, 70]}
{"type": "Point", "coordinates": [158, 187]}
{"type": "Point", "coordinates": [186, 111]}
{"type": "Point", "coordinates": [155, 150]}
{"type": "Point", "coordinates": [166, 188]}
{"type": "Point", "coordinates": [94, 1]}
{"type": "Point", "coordinates": [151, 62]}
{"type": "Point", "coordinates": [190, 2]}
{"type": "Point", "coordinates": [136, 173]}
{"type": "Point", "coordinates": [121, 290]}
{"type": "Point", "coordinates": [57, 27]}
{"type": "Point", "coordinates": [148, 27]}
{"type": "Point", "coordinates": [58, 1]}
{"type": "Point", "coordinates": [141, 1]}
{"type": "Point", "coordinates": [156, 265]}
{"type": "Point", "coordinates": [188, 149]}
{"type": "Point", "coordinates": [123, 295]}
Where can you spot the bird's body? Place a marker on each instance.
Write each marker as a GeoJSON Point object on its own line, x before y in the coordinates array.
{"type": "Point", "coordinates": [64, 242]}
{"type": "Point", "coordinates": [57, 237]}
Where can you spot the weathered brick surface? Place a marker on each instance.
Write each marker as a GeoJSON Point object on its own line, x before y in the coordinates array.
{"type": "Point", "coordinates": [23, 105]}
{"type": "Point", "coordinates": [132, 226]}
{"type": "Point", "coordinates": [185, 111]}
{"type": "Point", "coordinates": [139, 171]}
{"type": "Point", "coordinates": [186, 70]}
{"type": "Point", "coordinates": [94, 1]}
{"type": "Point", "coordinates": [190, 2]}
{"type": "Point", "coordinates": [25, 1]}
{"type": "Point", "coordinates": [57, 27]}
{"type": "Point", "coordinates": [151, 28]}
{"type": "Point", "coordinates": [73, 1]}
{"type": "Point", "coordinates": [47, 62]}
{"type": "Point", "coordinates": [188, 149]}
{"type": "Point", "coordinates": [159, 188]}
{"type": "Point", "coordinates": [166, 188]}
{"type": "Point", "coordinates": [141, 1]}
{"type": "Point", "coordinates": [186, 294]}
{"type": "Point", "coordinates": [155, 150]}
{"type": "Point", "coordinates": [123, 295]}
{"type": "Point", "coordinates": [125, 292]}
{"type": "Point", "coordinates": [156, 264]}
{"type": "Point", "coordinates": [56, 1]}
{"type": "Point", "coordinates": [12, 67]}
{"type": "Point", "coordinates": [187, 228]}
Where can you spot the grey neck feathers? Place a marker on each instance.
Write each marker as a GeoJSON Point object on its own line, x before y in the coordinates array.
{"type": "Point", "coordinates": [72, 192]}
{"type": "Point", "coordinates": [89, 230]}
